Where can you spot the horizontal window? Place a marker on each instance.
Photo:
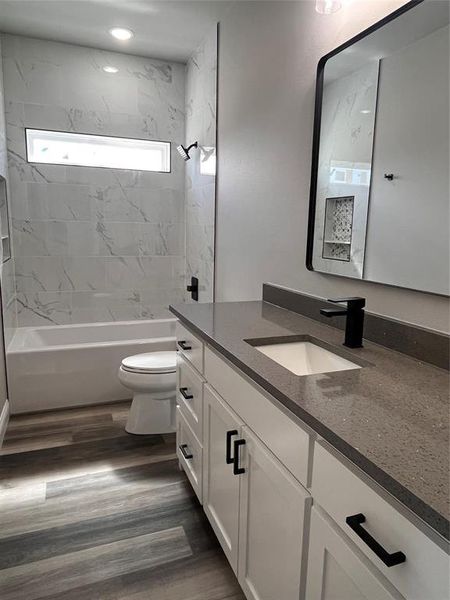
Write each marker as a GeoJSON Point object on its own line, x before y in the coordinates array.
{"type": "Point", "coordinates": [79, 149]}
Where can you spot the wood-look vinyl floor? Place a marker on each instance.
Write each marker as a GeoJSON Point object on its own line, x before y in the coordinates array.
{"type": "Point", "coordinates": [89, 512]}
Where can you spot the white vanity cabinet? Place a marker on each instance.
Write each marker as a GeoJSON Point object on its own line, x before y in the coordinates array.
{"type": "Point", "coordinates": [382, 533]}
{"type": "Point", "coordinates": [286, 438]}
{"type": "Point", "coordinates": [337, 570]}
{"type": "Point", "coordinates": [221, 486]}
{"type": "Point", "coordinates": [258, 471]}
{"type": "Point", "coordinates": [256, 507]}
{"type": "Point", "coordinates": [190, 407]}
{"type": "Point", "coordinates": [273, 510]}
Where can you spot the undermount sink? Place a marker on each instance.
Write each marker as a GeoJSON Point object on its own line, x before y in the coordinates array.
{"type": "Point", "coordinates": [304, 357]}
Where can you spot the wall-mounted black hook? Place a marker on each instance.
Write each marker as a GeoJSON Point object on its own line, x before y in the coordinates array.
{"type": "Point", "coordinates": [389, 176]}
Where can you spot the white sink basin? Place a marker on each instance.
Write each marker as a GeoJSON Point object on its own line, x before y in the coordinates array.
{"type": "Point", "coordinates": [305, 358]}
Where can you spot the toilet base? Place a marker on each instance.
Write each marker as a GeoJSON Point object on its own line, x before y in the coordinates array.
{"type": "Point", "coordinates": [151, 415]}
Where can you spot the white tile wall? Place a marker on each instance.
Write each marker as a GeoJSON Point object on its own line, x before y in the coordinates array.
{"type": "Point", "coordinates": [94, 244]}
{"type": "Point", "coordinates": [6, 269]}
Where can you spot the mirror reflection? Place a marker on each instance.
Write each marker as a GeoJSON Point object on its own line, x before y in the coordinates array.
{"type": "Point", "coordinates": [382, 195]}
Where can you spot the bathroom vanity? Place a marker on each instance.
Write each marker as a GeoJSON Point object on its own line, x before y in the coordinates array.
{"type": "Point", "coordinates": [323, 470]}
{"type": "Point", "coordinates": [325, 485]}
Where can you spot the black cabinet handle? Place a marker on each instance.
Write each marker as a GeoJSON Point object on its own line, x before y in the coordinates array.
{"type": "Point", "coordinates": [184, 345]}
{"type": "Point", "coordinates": [228, 457]}
{"type": "Point", "coordinates": [184, 451]}
{"type": "Point", "coordinates": [390, 560]}
{"type": "Point", "coordinates": [237, 470]}
{"type": "Point", "coordinates": [184, 393]}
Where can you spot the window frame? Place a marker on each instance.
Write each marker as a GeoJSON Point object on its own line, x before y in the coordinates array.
{"type": "Point", "coordinates": [119, 137]}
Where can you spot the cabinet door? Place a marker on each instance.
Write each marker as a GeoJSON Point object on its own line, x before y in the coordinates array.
{"type": "Point", "coordinates": [273, 512]}
{"type": "Point", "coordinates": [221, 486]}
{"type": "Point", "coordinates": [337, 569]}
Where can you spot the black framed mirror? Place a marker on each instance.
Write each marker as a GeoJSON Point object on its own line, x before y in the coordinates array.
{"type": "Point", "coordinates": [379, 202]}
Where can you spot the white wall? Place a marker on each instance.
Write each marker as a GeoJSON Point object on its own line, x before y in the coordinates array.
{"type": "Point", "coordinates": [268, 55]}
{"type": "Point", "coordinates": [408, 232]}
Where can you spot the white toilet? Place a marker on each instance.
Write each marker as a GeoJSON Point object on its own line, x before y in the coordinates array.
{"type": "Point", "coordinates": [152, 378]}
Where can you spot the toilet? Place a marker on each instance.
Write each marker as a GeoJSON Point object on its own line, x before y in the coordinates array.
{"type": "Point", "coordinates": [152, 379]}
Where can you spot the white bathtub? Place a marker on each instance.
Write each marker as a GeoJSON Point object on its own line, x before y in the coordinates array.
{"type": "Point", "coordinates": [76, 365]}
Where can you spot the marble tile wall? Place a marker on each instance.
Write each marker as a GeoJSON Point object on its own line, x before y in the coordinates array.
{"type": "Point", "coordinates": [94, 244]}
{"type": "Point", "coordinates": [6, 269]}
{"type": "Point", "coordinates": [201, 75]}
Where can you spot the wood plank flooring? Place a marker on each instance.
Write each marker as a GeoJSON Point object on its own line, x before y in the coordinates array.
{"type": "Point", "coordinates": [90, 512]}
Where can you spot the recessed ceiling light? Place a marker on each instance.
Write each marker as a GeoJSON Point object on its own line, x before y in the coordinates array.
{"type": "Point", "coordinates": [120, 33]}
{"type": "Point", "coordinates": [366, 111]}
{"type": "Point", "coordinates": [327, 7]}
{"type": "Point", "coordinates": [109, 69]}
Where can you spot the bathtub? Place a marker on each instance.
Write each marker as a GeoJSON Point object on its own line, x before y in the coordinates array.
{"type": "Point", "coordinates": [76, 365]}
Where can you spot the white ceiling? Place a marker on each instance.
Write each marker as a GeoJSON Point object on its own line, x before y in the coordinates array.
{"type": "Point", "coordinates": [166, 29]}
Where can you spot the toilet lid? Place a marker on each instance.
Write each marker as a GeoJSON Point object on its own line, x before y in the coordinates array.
{"type": "Point", "coordinates": [151, 362]}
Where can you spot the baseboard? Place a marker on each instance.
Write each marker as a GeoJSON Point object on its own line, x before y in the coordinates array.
{"type": "Point", "coordinates": [4, 418]}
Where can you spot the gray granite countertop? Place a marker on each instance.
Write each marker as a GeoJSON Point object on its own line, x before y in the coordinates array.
{"type": "Point", "coordinates": [389, 417]}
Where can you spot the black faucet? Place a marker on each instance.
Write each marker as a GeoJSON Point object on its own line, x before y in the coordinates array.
{"type": "Point", "coordinates": [355, 319]}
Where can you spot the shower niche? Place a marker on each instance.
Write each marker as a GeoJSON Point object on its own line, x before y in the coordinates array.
{"type": "Point", "coordinates": [338, 228]}
{"type": "Point", "coordinates": [4, 222]}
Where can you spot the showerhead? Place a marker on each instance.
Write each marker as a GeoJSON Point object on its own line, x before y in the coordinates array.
{"type": "Point", "coordinates": [184, 152]}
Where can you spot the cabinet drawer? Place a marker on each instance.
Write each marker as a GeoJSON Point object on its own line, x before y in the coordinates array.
{"type": "Point", "coordinates": [190, 454]}
{"type": "Point", "coordinates": [285, 438]}
{"type": "Point", "coordinates": [341, 493]}
{"type": "Point", "coordinates": [190, 346]}
{"type": "Point", "coordinates": [190, 396]}
{"type": "Point", "coordinates": [337, 569]}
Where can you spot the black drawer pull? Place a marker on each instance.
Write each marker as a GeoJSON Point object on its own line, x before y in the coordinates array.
{"type": "Point", "coordinates": [184, 345]}
{"type": "Point", "coordinates": [237, 470]}
{"type": "Point", "coordinates": [228, 457]}
{"type": "Point", "coordinates": [184, 452]}
{"type": "Point", "coordinates": [390, 560]}
{"type": "Point", "coordinates": [184, 393]}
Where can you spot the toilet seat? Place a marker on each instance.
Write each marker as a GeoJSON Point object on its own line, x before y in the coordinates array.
{"type": "Point", "coordinates": [151, 363]}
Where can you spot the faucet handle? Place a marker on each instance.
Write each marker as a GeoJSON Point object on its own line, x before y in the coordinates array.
{"type": "Point", "coordinates": [352, 302]}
